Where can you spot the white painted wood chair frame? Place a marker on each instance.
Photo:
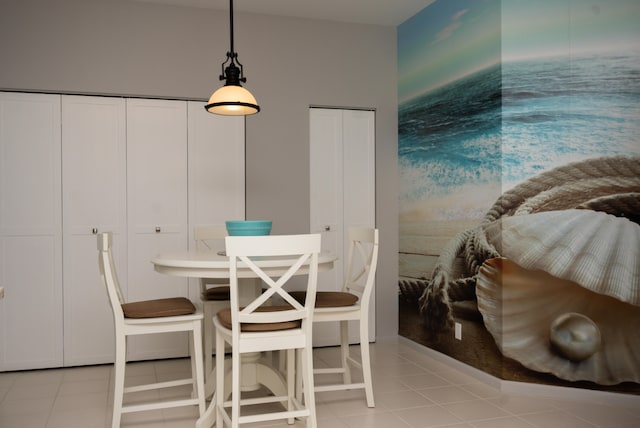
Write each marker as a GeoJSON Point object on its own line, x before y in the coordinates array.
{"type": "Point", "coordinates": [363, 246]}
{"type": "Point", "coordinates": [125, 327]}
{"type": "Point", "coordinates": [243, 250]}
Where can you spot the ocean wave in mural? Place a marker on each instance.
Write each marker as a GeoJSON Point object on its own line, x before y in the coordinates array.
{"type": "Point", "coordinates": [559, 110]}
{"type": "Point", "coordinates": [489, 131]}
{"type": "Point", "coordinates": [449, 144]}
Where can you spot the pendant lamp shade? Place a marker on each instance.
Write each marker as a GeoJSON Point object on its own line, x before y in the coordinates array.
{"type": "Point", "coordinates": [232, 99]}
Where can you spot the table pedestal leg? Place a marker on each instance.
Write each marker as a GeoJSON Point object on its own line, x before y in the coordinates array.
{"type": "Point", "coordinates": [254, 374]}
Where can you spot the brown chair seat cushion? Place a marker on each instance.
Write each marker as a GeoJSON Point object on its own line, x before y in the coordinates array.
{"type": "Point", "coordinates": [217, 293]}
{"type": "Point", "coordinates": [224, 316]}
{"type": "Point", "coordinates": [169, 307]}
{"type": "Point", "coordinates": [328, 299]}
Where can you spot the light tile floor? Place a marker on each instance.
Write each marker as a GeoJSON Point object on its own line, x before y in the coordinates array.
{"type": "Point", "coordinates": [412, 390]}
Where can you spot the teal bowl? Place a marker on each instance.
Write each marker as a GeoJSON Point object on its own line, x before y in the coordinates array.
{"type": "Point", "coordinates": [248, 227]}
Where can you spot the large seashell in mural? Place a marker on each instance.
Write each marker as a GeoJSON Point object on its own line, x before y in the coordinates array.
{"type": "Point", "coordinates": [559, 262]}
{"type": "Point", "coordinates": [599, 251]}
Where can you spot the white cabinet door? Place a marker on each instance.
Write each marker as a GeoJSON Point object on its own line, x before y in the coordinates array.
{"type": "Point", "coordinates": [216, 171]}
{"type": "Point", "coordinates": [157, 210]}
{"type": "Point", "coordinates": [94, 200]}
{"type": "Point", "coordinates": [342, 194]}
{"type": "Point", "coordinates": [30, 232]}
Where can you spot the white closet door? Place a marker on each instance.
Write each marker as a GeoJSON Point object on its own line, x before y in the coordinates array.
{"type": "Point", "coordinates": [157, 210]}
{"type": "Point", "coordinates": [342, 194]}
{"type": "Point", "coordinates": [94, 181]}
{"type": "Point", "coordinates": [30, 232]}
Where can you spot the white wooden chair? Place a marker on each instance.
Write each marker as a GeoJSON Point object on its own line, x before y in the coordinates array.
{"type": "Point", "coordinates": [149, 317]}
{"type": "Point", "coordinates": [258, 326]}
{"type": "Point", "coordinates": [351, 304]}
{"type": "Point", "coordinates": [214, 292]}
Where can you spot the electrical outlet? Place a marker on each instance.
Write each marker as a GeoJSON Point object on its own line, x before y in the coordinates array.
{"type": "Point", "coordinates": [458, 331]}
{"type": "Point", "coordinates": [1, 292]}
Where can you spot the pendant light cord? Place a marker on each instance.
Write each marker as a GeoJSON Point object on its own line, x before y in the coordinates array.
{"type": "Point", "coordinates": [231, 24]}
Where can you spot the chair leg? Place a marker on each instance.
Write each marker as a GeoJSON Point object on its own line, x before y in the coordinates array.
{"type": "Point", "coordinates": [366, 361]}
{"type": "Point", "coordinates": [344, 351]}
{"type": "Point", "coordinates": [291, 380]}
{"type": "Point", "coordinates": [208, 340]}
{"type": "Point", "coordinates": [298, 368]}
{"type": "Point", "coordinates": [118, 384]}
{"type": "Point", "coordinates": [235, 387]}
{"type": "Point", "coordinates": [309, 388]}
{"type": "Point", "coordinates": [197, 370]}
{"type": "Point", "coordinates": [220, 393]}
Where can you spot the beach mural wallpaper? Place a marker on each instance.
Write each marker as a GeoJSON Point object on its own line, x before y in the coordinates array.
{"type": "Point", "coordinates": [519, 161]}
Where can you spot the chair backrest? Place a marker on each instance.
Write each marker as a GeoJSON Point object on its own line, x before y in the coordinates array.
{"type": "Point", "coordinates": [209, 238]}
{"type": "Point", "coordinates": [296, 254]}
{"type": "Point", "coordinates": [109, 276]}
{"type": "Point", "coordinates": [362, 262]}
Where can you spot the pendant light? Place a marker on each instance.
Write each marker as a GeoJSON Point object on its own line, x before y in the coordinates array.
{"type": "Point", "coordinates": [232, 99]}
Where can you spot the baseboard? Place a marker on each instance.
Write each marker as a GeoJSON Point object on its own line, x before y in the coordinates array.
{"type": "Point", "coordinates": [525, 388]}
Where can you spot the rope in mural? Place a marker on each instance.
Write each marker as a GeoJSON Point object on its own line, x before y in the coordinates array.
{"type": "Point", "coordinates": [607, 184]}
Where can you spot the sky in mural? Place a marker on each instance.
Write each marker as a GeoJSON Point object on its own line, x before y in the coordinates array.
{"type": "Point", "coordinates": [454, 38]}
{"type": "Point", "coordinates": [446, 41]}
{"type": "Point", "coordinates": [550, 27]}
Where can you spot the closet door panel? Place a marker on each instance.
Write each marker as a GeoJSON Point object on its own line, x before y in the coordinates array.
{"type": "Point", "coordinates": [157, 165]}
{"type": "Point", "coordinates": [30, 232]}
{"type": "Point", "coordinates": [342, 193]}
{"type": "Point", "coordinates": [326, 203]}
{"type": "Point", "coordinates": [359, 187]}
{"type": "Point", "coordinates": [157, 209]}
{"type": "Point", "coordinates": [94, 200]}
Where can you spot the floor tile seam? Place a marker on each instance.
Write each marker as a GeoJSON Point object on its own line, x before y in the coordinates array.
{"type": "Point", "coordinates": [101, 404]}
{"type": "Point", "coordinates": [475, 422]}
{"type": "Point", "coordinates": [53, 403]}
{"type": "Point", "coordinates": [4, 395]}
{"type": "Point", "coordinates": [412, 407]}
{"type": "Point", "coordinates": [10, 382]}
{"type": "Point", "coordinates": [413, 376]}
{"type": "Point", "coordinates": [509, 413]}
{"type": "Point", "coordinates": [450, 402]}
{"type": "Point", "coordinates": [379, 409]}
{"type": "Point", "coordinates": [588, 424]}
{"type": "Point", "coordinates": [65, 385]}
{"type": "Point", "coordinates": [99, 372]}
{"type": "Point", "coordinates": [582, 418]}
{"type": "Point", "coordinates": [465, 387]}
{"type": "Point", "coordinates": [459, 419]}
{"type": "Point", "coordinates": [526, 413]}
{"type": "Point", "coordinates": [392, 412]}
{"type": "Point", "coordinates": [632, 412]}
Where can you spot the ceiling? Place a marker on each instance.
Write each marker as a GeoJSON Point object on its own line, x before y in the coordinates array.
{"type": "Point", "coordinates": [379, 12]}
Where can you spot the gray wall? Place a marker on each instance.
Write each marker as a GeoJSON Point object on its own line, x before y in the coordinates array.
{"type": "Point", "coordinates": [120, 47]}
